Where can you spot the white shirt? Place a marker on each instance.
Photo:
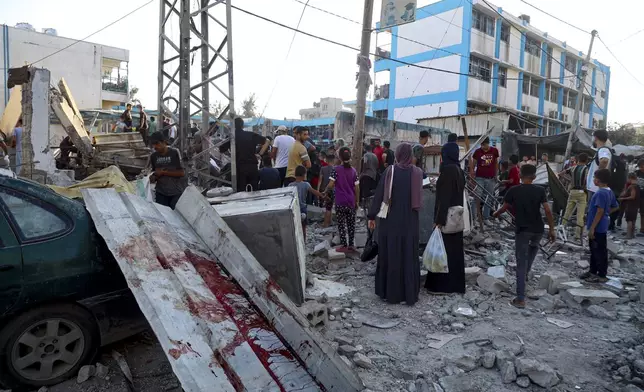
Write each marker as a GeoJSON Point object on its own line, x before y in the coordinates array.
{"type": "Point", "coordinates": [173, 132]}
{"type": "Point", "coordinates": [283, 143]}
{"type": "Point", "coordinates": [602, 153]}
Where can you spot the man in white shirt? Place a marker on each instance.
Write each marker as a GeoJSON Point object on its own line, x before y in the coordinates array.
{"type": "Point", "coordinates": [281, 147]}
{"type": "Point", "coordinates": [601, 161]}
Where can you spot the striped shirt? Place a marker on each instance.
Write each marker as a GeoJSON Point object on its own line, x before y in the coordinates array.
{"type": "Point", "coordinates": [579, 177]}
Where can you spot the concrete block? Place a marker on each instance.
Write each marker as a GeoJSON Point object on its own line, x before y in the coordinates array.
{"type": "Point", "coordinates": [491, 284]}
{"type": "Point", "coordinates": [497, 272]}
{"type": "Point", "coordinates": [334, 255]}
{"type": "Point", "coordinates": [268, 223]}
{"type": "Point", "coordinates": [582, 298]}
{"type": "Point", "coordinates": [471, 274]}
{"type": "Point", "coordinates": [551, 279]}
{"type": "Point", "coordinates": [315, 313]}
{"type": "Point", "coordinates": [570, 285]}
{"type": "Point", "coordinates": [321, 248]}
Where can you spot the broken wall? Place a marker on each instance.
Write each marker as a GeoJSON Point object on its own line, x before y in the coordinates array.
{"type": "Point", "coordinates": [37, 158]}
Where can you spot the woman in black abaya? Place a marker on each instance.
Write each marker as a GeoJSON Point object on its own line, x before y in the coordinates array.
{"type": "Point", "coordinates": [398, 269]}
{"type": "Point", "coordinates": [449, 193]}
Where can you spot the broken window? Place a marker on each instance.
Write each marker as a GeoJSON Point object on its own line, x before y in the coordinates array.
{"type": "Point", "coordinates": [480, 69]}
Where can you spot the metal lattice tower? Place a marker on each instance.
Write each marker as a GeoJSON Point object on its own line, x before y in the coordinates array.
{"type": "Point", "coordinates": [193, 50]}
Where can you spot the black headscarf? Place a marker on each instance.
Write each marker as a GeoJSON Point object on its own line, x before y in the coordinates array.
{"type": "Point", "coordinates": [449, 154]}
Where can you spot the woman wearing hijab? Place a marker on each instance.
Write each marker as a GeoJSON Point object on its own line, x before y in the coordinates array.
{"type": "Point", "coordinates": [449, 193]}
{"type": "Point", "coordinates": [398, 269]}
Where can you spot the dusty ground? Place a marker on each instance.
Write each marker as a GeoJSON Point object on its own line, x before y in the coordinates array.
{"type": "Point", "coordinates": [592, 355]}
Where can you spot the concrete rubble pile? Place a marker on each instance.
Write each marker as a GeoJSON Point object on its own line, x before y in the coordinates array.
{"type": "Point", "coordinates": [573, 335]}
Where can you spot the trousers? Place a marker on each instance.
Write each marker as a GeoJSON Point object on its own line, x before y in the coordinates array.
{"type": "Point", "coordinates": [527, 247]}
{"type": "Point", "coordinates": [599, 255]}
{"type": "Point", "coordinates": [488, 184]}
{"type": "Point", "coordinates": [577, 198]}
{"type": "Point", "coordinates": [346, 217]}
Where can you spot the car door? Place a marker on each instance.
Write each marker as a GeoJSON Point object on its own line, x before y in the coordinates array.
{"type": "Point", "coordinates": [51, 263]}
{"type": "Point", "coordinates": [11, 281]}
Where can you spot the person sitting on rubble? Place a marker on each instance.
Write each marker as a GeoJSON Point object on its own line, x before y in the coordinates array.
{"type": "Point", "coordinates": [67, 147]}
{"type": "Point", "coordinates": [144, 125]}
{"type": "Point", "coordinates": [169, 174]}
{"type": "Point", "coordinates": [526, 200]}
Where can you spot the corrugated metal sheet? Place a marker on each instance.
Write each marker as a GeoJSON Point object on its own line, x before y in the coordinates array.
{"type": "Point", "coordinates": [213, 337]}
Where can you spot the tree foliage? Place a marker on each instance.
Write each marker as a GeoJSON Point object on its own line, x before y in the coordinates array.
{"type": "Point", "coordinates": [248, 107]}
{"type": "Point", "coordinates": [624, 134]}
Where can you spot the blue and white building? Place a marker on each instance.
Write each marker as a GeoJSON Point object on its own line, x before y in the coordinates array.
{"type": "Point", "coordinates": [495, 65]}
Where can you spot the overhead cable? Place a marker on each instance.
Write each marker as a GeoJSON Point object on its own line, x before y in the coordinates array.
{"type": "Point", "coordinates": [555, 17]}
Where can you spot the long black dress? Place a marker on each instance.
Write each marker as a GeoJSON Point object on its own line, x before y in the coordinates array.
{"type": "Point", "coordinates": [449, 193]}
{"type": "Point", "coordinates": [398, 269]}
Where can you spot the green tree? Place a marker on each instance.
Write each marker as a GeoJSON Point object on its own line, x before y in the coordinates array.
{"type": "Point", "coordinates": [248, 107]}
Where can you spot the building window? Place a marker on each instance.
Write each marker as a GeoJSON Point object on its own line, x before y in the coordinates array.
{"type": "Point", "coordinates": [603, 94]}
{"type": "Point", "coordinates": [503, 77]}
{"type": "Point", "coordinates": [505, 33]}
{"type": "Point", "coordinates": [586, 104]}
{"type": "Point", "coordinates": [551, 92]}
{"type": "Point", "coordinates": [533, 47]}
{"type": "Point", "coordinates": [571, 64]}
{"type": "Point", "coordinates": [482, 22]}
{"type": "Point", "coordinates": [531, 86]}
{"type": "Point", "coordinates": [571, 99]}
{"type": "Point", "coordinates": [480, 69]}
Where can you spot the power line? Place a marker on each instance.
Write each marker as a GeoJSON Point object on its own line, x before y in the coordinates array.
{"type": "Point", "coordinates": [288, 53]}
{"type": "Point", "coordinates": [430, 62]}
{"type": "Point", "coordinates": [555, 17]}
{"type": "Point", "coordinates": [357, 49]}
{"type": "Point", "coordinates": [620, 63]}
{"type": "Point", "coordinates": [329, 12]}
{"type": "Point", "coordinates": [94, 33]}
{"type": "Point", "coordinates": [628, 37]}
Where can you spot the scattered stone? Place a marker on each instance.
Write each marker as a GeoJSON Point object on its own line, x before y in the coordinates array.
{"type": "Point", "coordinates": [599, 312]}
{"type": "Point", "coordinates": [356, 323]}
{"type": "Point", "coordinates": [631, 388]}
{"type": "Point", "coordinates": [497, 272]}
{"type": "Point", "coordinates": [523, 381]}
{"type": "Point", "coordinates": [638, 364]}
{"type": "Point", "coordinates": [559, 323]}
{"type": "Point", "coordinates": [85, 373]}
{"type": "Point", "coordinates": [362, 361]}
{"type": "Point", "coordinates": [491, 285]}
{"type": "Point", "coordinates": [355, 301]}
{"type": "Point", "coordinates": [539, 373]}
{"type": "Point", "coordinates": [471, 273]}
{"type": "Point", "coordinates": [464, 310]}
{"type": "Point", "coordinates": [335, 310]}
{"type": "Point", "coordinates": [322, 248]}
{"type": "Point", "coordinates": [570, 285]}
{"type": "Point", "coordinates": [347, 361]}
{"type": "Point", "coordinates": [343, 340]}
{"type": "Point", "coordinates": [437, 340]}
{"type": "Point", "coordinates": [336, 240]}
{"type": "Point", "coordinates": [323, 299]}
{"type": "Point", "coordinates": [616, 264]}
{"type": "Point", "coordinates": [467, 362]}
{"type": "Point", "coordinates": [484, 307]}
{"type": "Point", "coordinates": [625, 372]}
{"type": "Point", "coordinates": [568, 262]}
{"type": "Point", "coordinates": [411, 387]}
{"type": "Point", "coordinates": [584, 297]}
{"type": "Point", "coordinates": [502, 357]}
{"type": "Point", "coordinates": [102, 371]}
{"type": "Point", "coordinates": [331, 318]}
{"type": "Point", "coordinates": [550, 303]}
{"type": "Point", "coordinates": [347, 350]}
{"type": "Point", "coordinates": [536, 294]}
{"type": "Point", "coordinates": [550, 280]}
{"type": "Point", "coordinates": [453, 370]}
{"type": "Point", "coordinates": [503, 343]}
{"type": "Point", "coordinates": [458, 326]}
{"type": "Point", "coordinates": [376, 321]}
{"type": "Point", "coordinates": [403, 375]}
{"type": "Point", "coordinates": [488, 360]}
{"type": "Point", "coordinates": [496, 258]}
{"type": "Point", "coordinates": [583, 264]}
{"type": "Point", "coordinates": [344, 315]}
{"type": "Point", "coordinates": [42, 389]}
{"type": "Point", "coordinates": [315, 313]}
{"type": "Point", "coordinates": [335, 255]}
{"type": "Point", "coordinates": [508, 373]}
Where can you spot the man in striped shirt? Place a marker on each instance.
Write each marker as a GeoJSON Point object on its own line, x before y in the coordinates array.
{"type": "Point", "coordinates": [577, 196]}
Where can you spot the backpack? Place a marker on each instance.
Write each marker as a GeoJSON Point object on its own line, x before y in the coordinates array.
{"type": "Point", "coordinates": [618, 170]}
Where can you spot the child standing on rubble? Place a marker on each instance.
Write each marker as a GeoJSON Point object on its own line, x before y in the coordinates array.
{"type": "Point", "coordinates": [303, 190]}
{"type": "Point", "coordinates": [630, 202]}
{"type": "Point", "coordinates": [602, 204]}
{"type": "Point", "coordinates": [526, 200]}
{"type": "Point", "coordinates": [343, 179]}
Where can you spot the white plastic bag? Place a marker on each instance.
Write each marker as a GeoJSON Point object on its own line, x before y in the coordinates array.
{"type": "Point", "coordinates": [435, 257]}
{"type": "Point", "coordinates": [467, 217]}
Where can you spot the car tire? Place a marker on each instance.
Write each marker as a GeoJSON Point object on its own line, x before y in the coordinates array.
{"type": "Point", "coordinates": [47, 345]}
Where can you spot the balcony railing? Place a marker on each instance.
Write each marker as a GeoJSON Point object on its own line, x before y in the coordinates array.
{"type": "Point", "coordinates": [382, 92]}
{"type": "Point", "coordinates": [116, 85]}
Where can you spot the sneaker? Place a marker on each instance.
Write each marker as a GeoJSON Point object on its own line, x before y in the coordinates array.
{"type": "Point", "coordinates": [518, 303]}
{"type": "Point", "coordinates": [586, 275]}
{"type": "Point", "coordinates": [602, 279]}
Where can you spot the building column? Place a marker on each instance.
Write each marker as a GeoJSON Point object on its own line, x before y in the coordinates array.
{"type": "Point", "coordinates": [520, 91]}
{"type": "Point", "coordinates": [560, 97]}
{"type": "Point", "coordinates": [392, 74]}
{"type": "Point", "coordinates": [495, 83]}
{"type": "Point", "coordinates": [593, 92]}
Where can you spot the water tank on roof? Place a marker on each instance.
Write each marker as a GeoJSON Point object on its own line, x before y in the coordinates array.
{"type": "Point", "coordinates": [50, 31]}
{"type": "Point", "coordinates": [25, 26]}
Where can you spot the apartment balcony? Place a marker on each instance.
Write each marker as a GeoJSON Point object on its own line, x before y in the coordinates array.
{"type": "Point", "coordinates": [382, 54]}
{"type": "Point", "coordinates": [382, 92]}
{"type": "Point", "coordinates": [115, 85]}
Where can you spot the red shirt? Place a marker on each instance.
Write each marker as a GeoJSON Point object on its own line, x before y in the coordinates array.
{"type": "Point", "coordinates": [514, 177]}
{"type": "Point", "coordinates": [486, 162]}
{"type": "Point", "coordinates": [379, 151]}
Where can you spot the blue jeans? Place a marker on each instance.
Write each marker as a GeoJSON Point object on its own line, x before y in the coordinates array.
{"type": "Point", "coordinates": [488, 184]}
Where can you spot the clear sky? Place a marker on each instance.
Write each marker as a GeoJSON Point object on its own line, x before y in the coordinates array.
{"type": "Point", "coordinates": [318, 69]}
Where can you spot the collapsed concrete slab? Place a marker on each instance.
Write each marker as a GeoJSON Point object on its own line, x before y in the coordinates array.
{"type": "Point", "coordinates": [37, 158]}
{"type": "Point", "coordinates": [269, 224]}
{"type": "Point", "coordinates": [319, 358]}
{"type": "Point", "coordinates": [72, 123]}
{"type": "Point", "coordinates": [12, 111]}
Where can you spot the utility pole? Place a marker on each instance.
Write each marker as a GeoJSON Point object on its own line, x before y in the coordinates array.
{"type": "Point", "coordinates": [364, 64]}
{"type": "Point", "coordinates": [581, 83]}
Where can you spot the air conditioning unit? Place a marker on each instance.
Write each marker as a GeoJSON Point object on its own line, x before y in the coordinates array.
{"type": "Point", "coordinates": [525, 108]}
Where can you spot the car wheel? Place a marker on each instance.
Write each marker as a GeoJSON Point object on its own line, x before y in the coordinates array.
{"type": "Point", "coordinates": [47, 345]}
